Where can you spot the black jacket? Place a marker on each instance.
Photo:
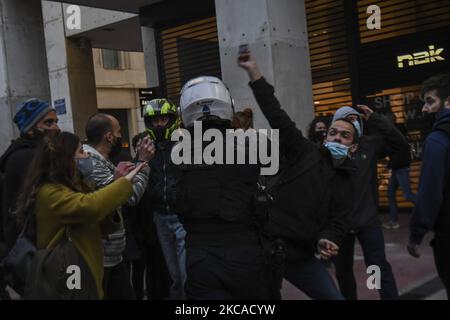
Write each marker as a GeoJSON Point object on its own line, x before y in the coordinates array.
{"type": "Point", "coordinates": [312, 198]}
{"type": "Point", "coordinates": [401, 158]}
{"type": "Point", "coordinates": [14, 164]}
{"type": "Point", "coordinates": [386, 140]}
{"type": "Point", "coordinates": [163, 180]}
{"type": "Point", "coordinates": [432, 210]}
{"type": "Point", "coordinates": [160, 197]}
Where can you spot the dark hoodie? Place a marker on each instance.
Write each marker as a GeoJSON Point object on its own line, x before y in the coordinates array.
{"type": "Point", "coordinates": [13, 165]}
{"type": "Point", "coordinates": [432, 210]}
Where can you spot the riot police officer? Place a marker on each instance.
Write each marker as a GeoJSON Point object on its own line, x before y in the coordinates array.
{"type": "Point", "coordinates": [225, 258]}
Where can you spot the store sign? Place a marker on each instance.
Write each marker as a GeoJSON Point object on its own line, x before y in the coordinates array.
{"type": "Point", "coordinates": [422, 57]}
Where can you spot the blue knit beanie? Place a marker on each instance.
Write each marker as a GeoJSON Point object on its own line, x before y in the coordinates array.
{"type": "Point", "coordinates": [30, 113]}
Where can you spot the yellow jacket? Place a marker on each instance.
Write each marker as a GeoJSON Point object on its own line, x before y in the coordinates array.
{"type": "Point", "coordinates": [58, 207]}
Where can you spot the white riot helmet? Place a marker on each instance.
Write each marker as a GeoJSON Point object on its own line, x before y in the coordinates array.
{"type": "Point", "coordinates": [205, 98]}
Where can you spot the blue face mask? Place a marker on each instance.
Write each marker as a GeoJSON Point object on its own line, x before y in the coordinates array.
{"type": "Point", "coordinates": [338, 151]}
{"type": "Point", "coordinates": [357, 127]}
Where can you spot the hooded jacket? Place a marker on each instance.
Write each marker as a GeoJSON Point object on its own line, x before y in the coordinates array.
{"type": "Point", "coordinates": [385, 139]}
{"type": "Point", "coordinates": [311, 199]}
{"type": "Point", "coordinates": [13, 165]}
{"type": "Point", "coordinates": [432, 210]}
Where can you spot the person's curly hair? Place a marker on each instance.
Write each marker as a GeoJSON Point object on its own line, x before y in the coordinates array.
{"type": "Point", "coordinates": [312, 125]}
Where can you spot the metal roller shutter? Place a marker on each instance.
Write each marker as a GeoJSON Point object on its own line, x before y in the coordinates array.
{"type": "Point", "coordinates": [186, 51]}
{"type": "Point", "coordinates": [403, 22]}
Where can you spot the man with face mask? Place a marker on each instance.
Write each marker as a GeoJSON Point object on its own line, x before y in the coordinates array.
{"type": "Point", "coordinates": [385, 140]}
{"type": "Point", "coordinates": [312, 195]}
{"type": "Point", "coordinates": [35, 119]}
{"type": "Point", "coordinates": [432, 210]}
{"type": "Point", "coordinates": [105, 141]}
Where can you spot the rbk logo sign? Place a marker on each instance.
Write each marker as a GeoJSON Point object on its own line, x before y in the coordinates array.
{"type": "Point", "coordinates": [423, 57]}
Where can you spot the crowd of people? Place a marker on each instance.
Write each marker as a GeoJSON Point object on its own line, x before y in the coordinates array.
{"type": "Point", "coordinates": [144, 227]}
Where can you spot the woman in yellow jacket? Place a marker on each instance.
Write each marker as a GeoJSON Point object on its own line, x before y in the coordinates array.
{"type": "Point", "coordinates": [60, 200]}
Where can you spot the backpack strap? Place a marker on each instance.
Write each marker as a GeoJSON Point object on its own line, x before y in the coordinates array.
{"type": "Point", "coordinates": [58, 237]}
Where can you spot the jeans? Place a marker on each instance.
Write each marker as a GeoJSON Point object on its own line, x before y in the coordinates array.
{"type": "Point", "coordinates": [372, 243]}
{"type": "Point", "coordinates": [399, 177]}
{"type": "Point", "coordinates": [171, 235]}
{"type": "Point", "coordinates": [441, 252]}
{"type": "Point", "coordinates": [312, 278]}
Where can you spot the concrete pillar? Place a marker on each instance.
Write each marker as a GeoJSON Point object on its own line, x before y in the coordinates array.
{"type": "Point", "coordinates": [71, 71]}
{"type": "Point", "coordinates": [138, 121]}
{"type": "Point", "coordinates": [150, 56]}
{"type": "Point", "coordinates": [23, 63]}
{"type": "Point", "coordinates": [276, 33]}
{"type": "Point", "coordinates": [151, 66]}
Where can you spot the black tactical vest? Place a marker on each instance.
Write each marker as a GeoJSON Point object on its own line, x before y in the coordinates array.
{"type": "Point", "coordinates": [221, 195]}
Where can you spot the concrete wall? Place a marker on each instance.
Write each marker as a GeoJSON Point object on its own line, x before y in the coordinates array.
{"type": "Point", "coordinates": [70, 69]}
{"type": "Point", "coordinates": [276, 34]}
{"type": "Point", "coordinates": [23, 63]}
{"type": "Point", "coordinates": [119, 88]}
{"type": "Point", "coordinates": [92, 18]}
{"type": "Point", "coordinates": [150, 56]}
{"type": "Point", "coordinates": [83, 93]}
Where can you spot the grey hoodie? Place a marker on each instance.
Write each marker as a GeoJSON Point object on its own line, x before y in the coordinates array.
{"type": "Point", "coordinates": [346, 111]}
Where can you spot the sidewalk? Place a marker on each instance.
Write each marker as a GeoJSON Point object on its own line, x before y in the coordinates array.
{"type": "Point", "coordinates": [416, 278]}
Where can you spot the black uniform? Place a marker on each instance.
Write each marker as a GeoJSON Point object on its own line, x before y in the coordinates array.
{"type": "Point", "coordinates": [225, 259]}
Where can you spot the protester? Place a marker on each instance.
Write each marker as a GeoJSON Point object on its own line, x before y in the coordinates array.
{"type": "Point", "coordinates": [57, 198]}
{"type": "Point", "coordinates": [161, 119]}
{"type": "Point", "coordinates": [432, 210]}
{"type": "Point", "coordinates": [311, 222]}
{"type": "Point", "coordinates": [148, 269]}
{"type": "Point", "coordinates": [318, 129]}
{"type": "Point", "coordinates": [399, 164]}
{"type": "Point", "coordinates": [104, 141]}
{"type": "Point", "coordinates": [365, 225]}
{"type": "Point", "coordinates": [35, 120]}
